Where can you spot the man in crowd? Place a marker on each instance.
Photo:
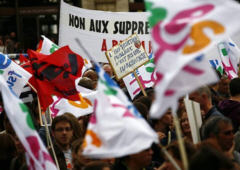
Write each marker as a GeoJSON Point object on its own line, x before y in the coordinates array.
{"type": "Point", "coordinates": [231, 107]}
{"type": "Point", "coordinates": [62, 132]}
{"type": "Point", "coordinates": [219, 130]}
{"type": "Point", "coordinates": [203, 97]}
{"type": "Point", "coordinates": [108, 69]}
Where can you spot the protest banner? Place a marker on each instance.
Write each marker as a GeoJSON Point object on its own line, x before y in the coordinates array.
{"type": "Point", "coordinates": [100, 30]}
{"type": "Point", "coordinates": [194, 119]}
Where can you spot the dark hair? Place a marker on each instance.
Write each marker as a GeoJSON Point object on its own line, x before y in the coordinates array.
{"type": "Point", "coordinates": [174, 148]}
{"type": "Point", "coordinates": [61, 118]}
{"type": "Point", "coordinates": [142, 109]}
{"type": "Point", "coordinates": [211, 126]}
{"type": "Point", "coordinates": [86, 82]}
{"type": "Point", "coordinates": [96, 165]}
{"type": "Point", "coordinates": [145, 100]}
{"type": "Point", "coordinates": [235, 87]}
{"type": "Point", "coordinates": [208, 158]}
{"type": "Point", "coordinates": [7, 146]}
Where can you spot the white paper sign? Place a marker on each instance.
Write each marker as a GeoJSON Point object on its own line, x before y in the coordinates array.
{"type": "Point", "coordinates": [127, 56]}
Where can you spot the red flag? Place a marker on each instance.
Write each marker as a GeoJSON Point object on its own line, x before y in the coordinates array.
{"type": "Point", "coordinates": [55, 74]}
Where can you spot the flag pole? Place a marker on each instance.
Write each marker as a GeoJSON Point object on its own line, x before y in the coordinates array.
{"type": "Point", "coordinates": [48, 137]}
{"type": "Point", "coordinates": [170, 158]}
{"type": "Point", "coordinates": [139, 83]}
{"type": "Point", "coordinates": [48, 134]}
{"type": "Point", "coordinates": [180, 141]}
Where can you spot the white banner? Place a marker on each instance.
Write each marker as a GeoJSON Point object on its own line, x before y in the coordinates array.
{"type": "Point", "coordinates": [100, 30]}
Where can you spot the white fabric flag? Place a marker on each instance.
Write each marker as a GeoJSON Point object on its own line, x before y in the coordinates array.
{"type": "Point", "coordinates": [77, 108]}
{"type": "Point", "coordinates": [19, 116]}
{"type": "Point", "coordinates": [230, 57]}
{"type": "Point", "coordinates": [47, 46]}
{"type": "Point", "coordinates": [184, 30]}
{"type": "Point", "coordinates": [116, 128]}
{"type": "Point", "coordinates": [14, 75]}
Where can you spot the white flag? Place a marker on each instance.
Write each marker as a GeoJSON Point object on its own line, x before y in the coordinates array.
{"type": "Point", "coordinates": [184, 30]}
{"type": "Point", "coordinates": [116, 128]}
{"type": "Point", "coordinates": [13, 74]}
{"type": "Point", "coordinates": [78, 108]}
{"type": "Point", "coordinates": [230, 57]}
{"type": "Point", "coordinates": [21, 122]}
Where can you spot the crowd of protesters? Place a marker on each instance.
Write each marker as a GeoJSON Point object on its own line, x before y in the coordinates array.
{"type": "Point", "coordinates": [9, 44]}
{"type": "Point", "coordinates": [220, 135]}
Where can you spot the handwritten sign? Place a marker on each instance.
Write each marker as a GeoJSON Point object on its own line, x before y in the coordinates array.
{"type": "Point", "coordinates": [127, 56]}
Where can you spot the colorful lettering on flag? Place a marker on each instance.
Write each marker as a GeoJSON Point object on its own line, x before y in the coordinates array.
{"type": "Point", "coordinates": [15, 76]}
{"type": "Point", "coordinates": [217, 65]}
{"type": "Point", "coordinates": [115, 128]}
{"type": "Point", "coordinates": [179, 37]}
{"type": "Point", "coordinates": [19, 116]}
{"type": "Point", "coordinates": [78, 108]}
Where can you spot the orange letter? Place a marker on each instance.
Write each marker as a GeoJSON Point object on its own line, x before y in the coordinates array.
{"type": "Point", "coordinates": [199, 37]}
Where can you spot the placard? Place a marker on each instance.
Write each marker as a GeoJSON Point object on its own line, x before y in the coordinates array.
{"type": "Point", "coordinates": [127, 56]}
{"type": "Point", "coordinates": [194, 118]}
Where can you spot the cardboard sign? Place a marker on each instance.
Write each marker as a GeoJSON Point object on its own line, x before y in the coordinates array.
{"type": "Point", "coordinates": [194, 118]}
{"type": "Point", "coordinates": [127, 56]}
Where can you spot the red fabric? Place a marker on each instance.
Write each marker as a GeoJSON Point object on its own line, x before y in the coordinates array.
{"type": "Point", "coordinates": [55, 74]}
{"type": "Point", "coordinates": [22, 58]}
{"type": "Point", "coordinates": [39, 45]}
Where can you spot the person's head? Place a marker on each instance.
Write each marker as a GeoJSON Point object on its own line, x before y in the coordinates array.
{"type": "Point", "coordinates": [142, 109]}
{"type": "Point", "coordinates": [174, 151]}
{"type": "Point", "coordinates": [62, 131]}
{"type": "Point", "coordinates": [164, 123]}
{"type": "Point", "coordinates": [167, 118]}
{"type": "Point", "coordinates": [108, 69]}
{"type": "Point", "coordinates": [91, 74]}
{"type": "Point", "coordinates": [83, 121]}
{"type": "Point", "coordinates": [145, 100]}
{"type": "Point", "coordinates": [141, 159]}
{"type": "Point", "coordinates": [184, 123]}
{"type": "Point", "coordinates": [234, 87]}
{"type": "Point", "coordinates": [220, 129]}
{"type": "Point", "coordinates": [208, 158]}
{"type": "Point", "coordinates": [78, 159]}
{"type": "Point", "coordinates": [86, 82]}
{"type": "Point", "coordinates": [76, 127]}
{"type": "Point", "coordinates": [8, 150]}
{"type": "Point", "coordinates": [97, 165]}
{"type": "Point", "coordinates": [7, 146]}
{"type": "Point", "coordinates": [223, 86]}
{"type": "Point", "coordinates": [203, 97]}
